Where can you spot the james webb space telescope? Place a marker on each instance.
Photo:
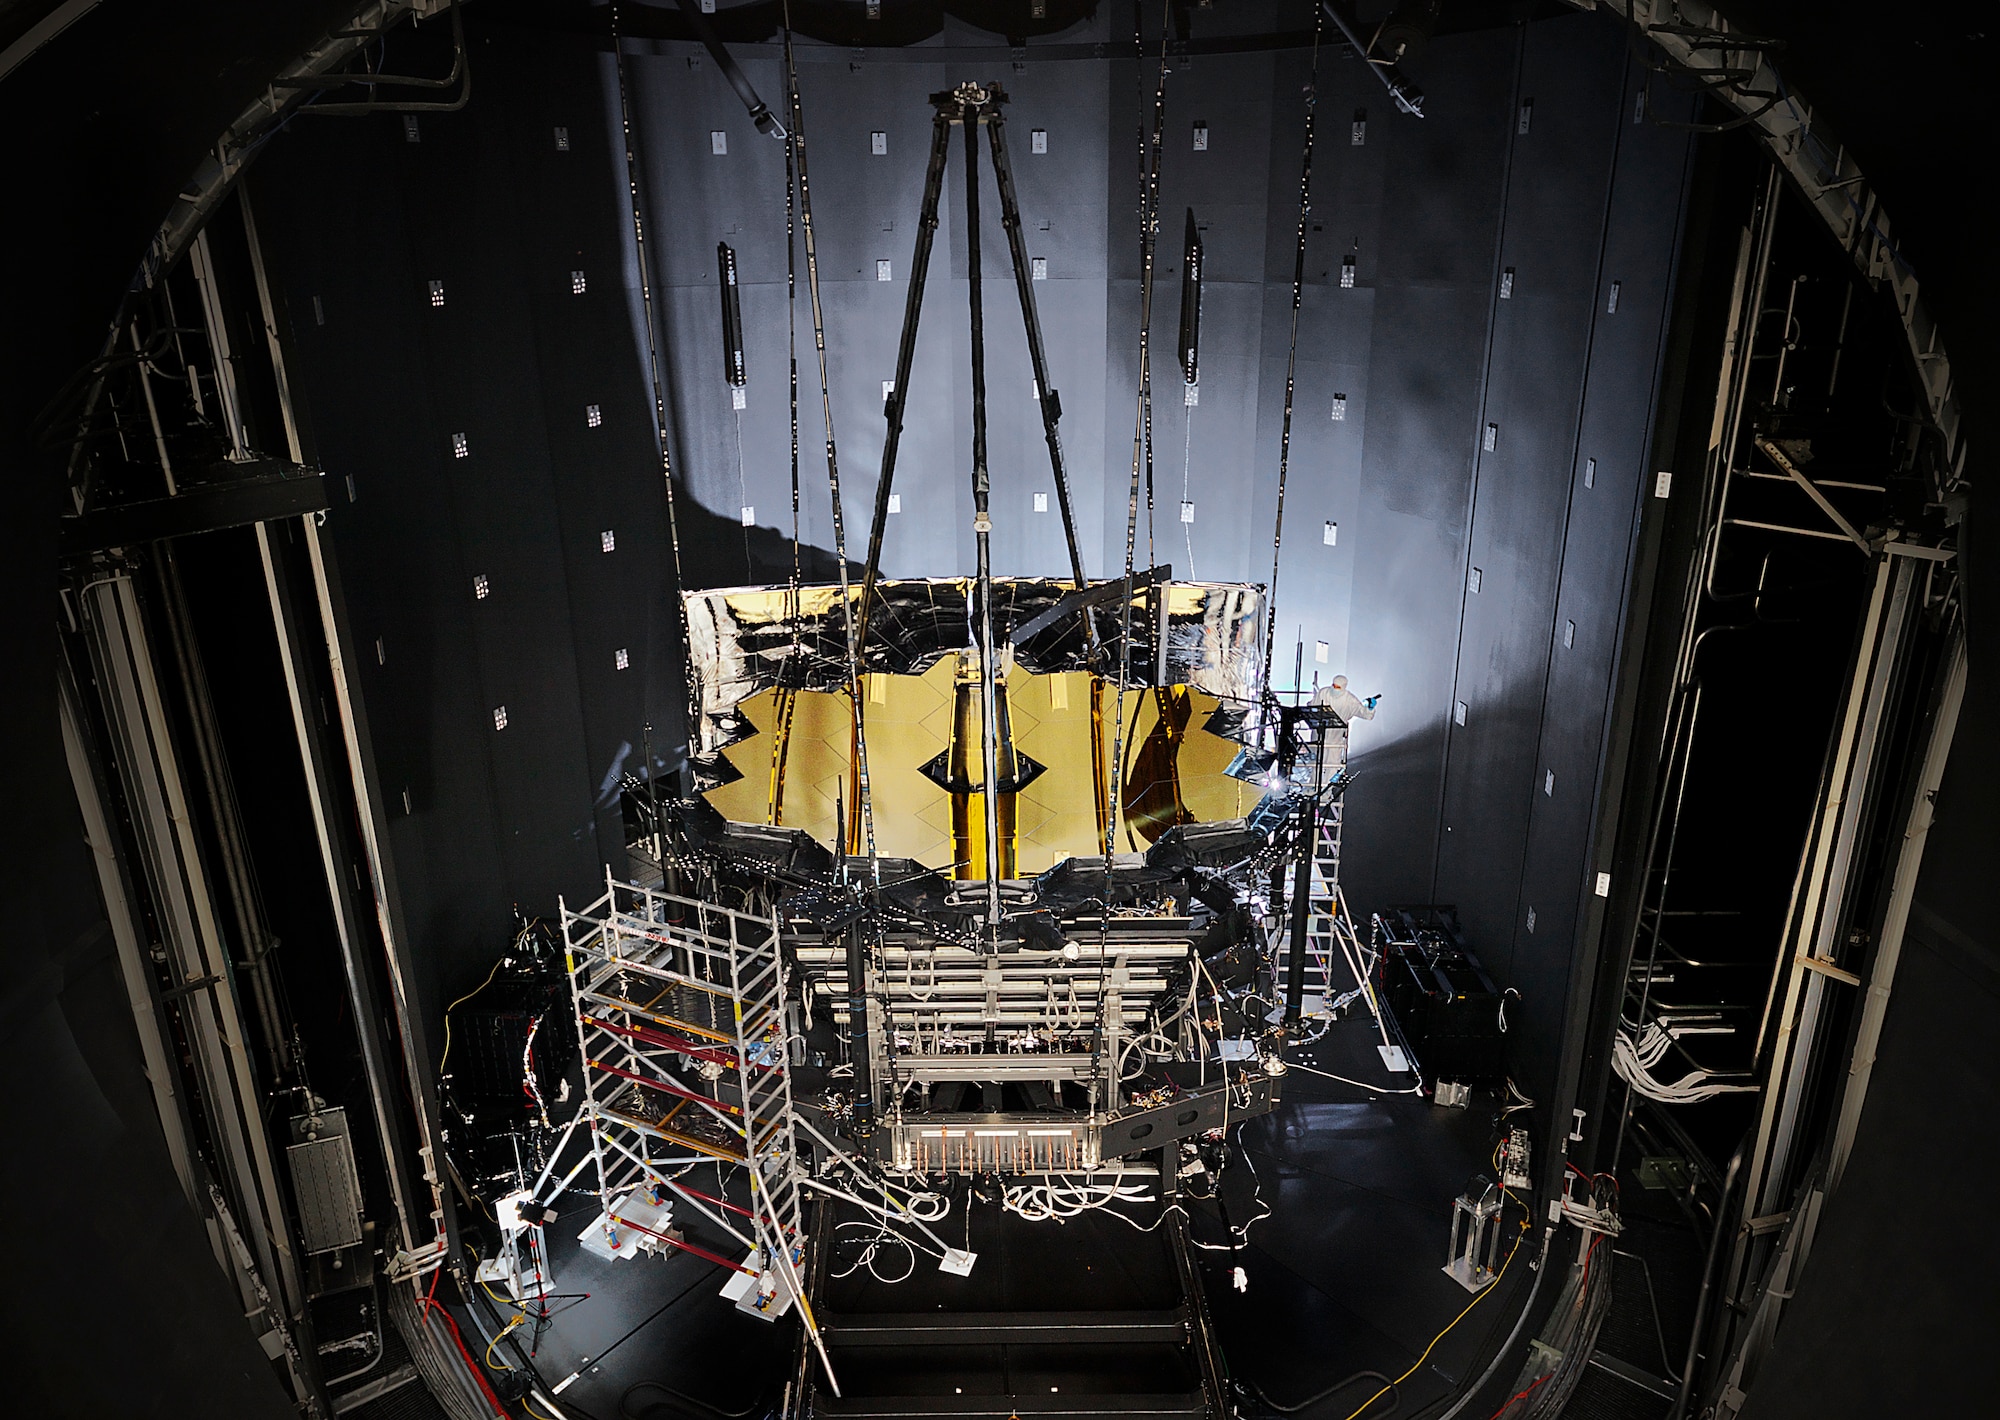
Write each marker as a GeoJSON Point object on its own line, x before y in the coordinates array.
{"type": "Point", "coordinates": [961, 982]}
{"type": "Point", "coordinates": [973, 876]}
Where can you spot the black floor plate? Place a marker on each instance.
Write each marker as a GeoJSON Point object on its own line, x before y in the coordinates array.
{"type": "Point", "coordinates": [1344, 1274]}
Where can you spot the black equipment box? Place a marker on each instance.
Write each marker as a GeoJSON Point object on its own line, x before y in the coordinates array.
{"type": "Point", "coordinates": [1448, 1009]}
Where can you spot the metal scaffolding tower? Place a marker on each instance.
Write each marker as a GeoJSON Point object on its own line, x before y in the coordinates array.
{"type": "Point", "coordinates": [680, 1017]}
{"type": "Point", "coordinates": [1319, 759]}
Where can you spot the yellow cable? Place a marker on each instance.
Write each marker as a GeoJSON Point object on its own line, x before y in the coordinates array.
{"type": "Point", "coordinates": [519, 1317]}
{"type": "Point", "coordinates": [531, 1409]}
{"type": "Point", "coordinates": [1448, 1325]}
{"type": "Point", "coordinates": [460, 1002]}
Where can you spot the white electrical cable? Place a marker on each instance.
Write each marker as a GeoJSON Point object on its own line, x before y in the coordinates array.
{"type": "Point", "coordinates": [883, 1234]}
{"type": "Point", "coordinates": [1633, 1061]}
{"type": "Point", "coordinates": [1358, 1084]}
{"type": "Point", "coordinates": [1053, 1200]}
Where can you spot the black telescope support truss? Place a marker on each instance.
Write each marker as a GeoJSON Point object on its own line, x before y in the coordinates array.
{"type": "Point", "coordinates": [968, 104]}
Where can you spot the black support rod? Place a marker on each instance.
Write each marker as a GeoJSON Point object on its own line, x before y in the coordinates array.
{"type": "Point", "coordinates": [856, 942]}
{"type": "Point", "coordinates": [982, 521]}
{"type": "Point", "coordinates": [1050, 401]}
{"type": "Point", "coordinates": [906, 351]}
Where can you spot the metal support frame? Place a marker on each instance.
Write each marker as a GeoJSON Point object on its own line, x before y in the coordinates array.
{"type": "Point", "coordinates": [173, 879]}
{"type": "Point", "coordinates": [1769, 1260]}
{"type": "Point", "coordinates": [1735, 68]}
{"type": "Point", "coordinates": [1820, 908]}
{"type": "Point", "coordinates": [968, 104]}
{"type": "Point", "coordinates": [418, 1252]}
{"type": "Point", "coordinates": [642, 965]}
{"type": "Point", "coordinates": [1305, 960]}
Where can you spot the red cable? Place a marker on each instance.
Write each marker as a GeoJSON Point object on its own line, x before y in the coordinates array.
{"type": "Point", "coordinates": [459, 1341]}
{"type": "Point", "coordinates": [1522, 1396]}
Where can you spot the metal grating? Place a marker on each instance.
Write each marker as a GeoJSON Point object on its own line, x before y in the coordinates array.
{"type": "Point", "coordinates": [323, 1179]}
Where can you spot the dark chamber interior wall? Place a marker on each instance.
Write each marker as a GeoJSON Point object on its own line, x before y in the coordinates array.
{"type": "Point", "coordinates": [1534, 160]}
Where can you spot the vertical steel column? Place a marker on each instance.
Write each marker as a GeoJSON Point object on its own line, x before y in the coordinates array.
{"type": "Point", "coordinates": [1889, 950]}
{"type": "Point", "coordinates": [349, 927]}
{"type": "Point", "coordinates": [123, 913]}
{"type": "Point", "coordinates": [982, 526]}
{"type": "Point", "coordinates": [1817, 924]}
{"type": "Point", "coordinates": [176, 882]}
{"type": "Point", "coordinates": [366, 809]}
{"type": "Point", "coordinates": [857, 1028]}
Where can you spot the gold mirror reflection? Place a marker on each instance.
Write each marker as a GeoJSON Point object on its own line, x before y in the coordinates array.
{"type": "Point", "coordinates": [1061, 734]}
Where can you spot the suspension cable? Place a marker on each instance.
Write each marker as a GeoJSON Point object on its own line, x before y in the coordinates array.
{"type": "Point", "coordinates": [691, 723]}
{"type": "Point", "coordinates": [798, 148]}
{"type": "Point", "coordinates": [1292, 354]}
{"type": "Point", "coordinates": [1149, 225]}
{"type": "Point", "coordinates": [1140, 432]}
{"type": "Point", "coordinates": [792, 361]}
{"type": "Point", "coordinates": [1139, 438]}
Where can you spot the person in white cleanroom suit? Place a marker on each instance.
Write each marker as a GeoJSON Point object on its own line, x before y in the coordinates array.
{"type": "Point", "coordinates": [1344, 702]}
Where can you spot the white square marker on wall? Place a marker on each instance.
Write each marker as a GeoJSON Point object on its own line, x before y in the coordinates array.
{"type": "Point", "coordinates": [1492, 438]}
{"type": "Point", "coordinates": [1320, 652]}
{"type": "Point", "coordinates": [895, 502]}
{"type": "Point", "coordinates": [437, 293]}
{"type": "Point", "coordinates": [888, 388]}
{"type": "Point", "coordinates": [1039, 266]}
{"type": "Point", "coordinates": [1663, 483]}
{"type": "Point", "coordinates": [1038, 140]}
{"type": "Point", "coordinates": [739, 398]}
{"type": "Point", "coordinates": [480, 587]}
{"type": "Point", "coordinates": [1474, 580]}
{"type": "Point", "coordinates": [1569, 634]}
{"type": "Point", "coordinates": [878, 143]}
{"type": "Point", "coordinates": [718, 142]}
{"type": "Point", "coordinates": [1340, 409]}
{"type": "Point", "coordinates": [749, 515]}
{"type": "Point", "coordinates": [500, 717]}
{"type": "Point", "coordinates": [1190, 395]}
{"type": "Point", "coordinates": [1331, 534]}
{"type": "Point", "coordinates": [1201, 138]}
{"type": "Point", "coordinates": [1604, 884]}
{"type": "Point", "coordinates": [592, 416]}
{"type": "Point", "coordinates": [621, 659]}
{"type": "Point", "coordinates": [1549, 784]}
{"type": "Point", "coordinates": [1590, 473]}
{"type": "Point", "coordinates": [459, 448]}
{"type": "Point", "coordinates": [1347, 273]}
{"type": "Point", "coordinates": [883, 271]}
{"type": "Point", "coordinates": [1187, 511]}
{"type": "Point", "coordinates": [1041, 502]}
{"type": "Point", "coordinates": [608, 540]}
{"type": "Point", "coordinates": [1458, 713]}
{"type": "Point", "coordinates": [562, 140]}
